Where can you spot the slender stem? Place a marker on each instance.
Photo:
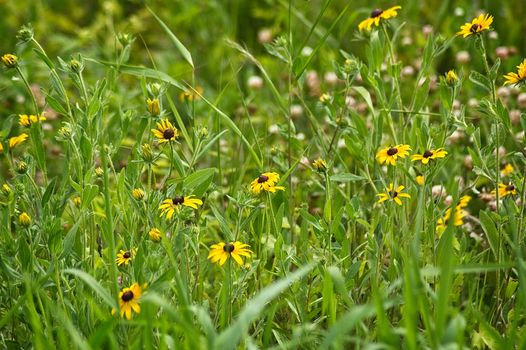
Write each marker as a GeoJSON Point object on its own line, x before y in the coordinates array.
{"type": "Point", "coordinates": [30, 92]}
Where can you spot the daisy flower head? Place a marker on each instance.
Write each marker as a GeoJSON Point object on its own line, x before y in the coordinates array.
{"type": "Point", "coordinates": [9, 60]}
{"type": "Point", "coordinates": [389, 155]}
{"type": "Point", "coordinates": [428, 155]}
{"type": "Point", "coordinates": [165, 131]}
{"type": "Point", "coordinates": [129, 300]}
{"type": "Point", "coordinates": [124, 257]}
{"type": "Point", "coordinates": [28, 120]}
{"type": "Point", "coordinates": [376, 16]}
{"type": "Point", "coordinates": [458, 219]}
{"type": "Point", "coordinates": [17, 140]}
{"type": "Point", "coordinates": [393, 194]}
{"type": "Point", "coordinates": [266, 182]}
{"type": "Point", "coordinates": [476, 26]}
{"type": "Point", "coordinates": [170, 205]}
{"type": "Point", "coordinates": [320, 165]}
{"type": "Point", "coordinates": [220, 252]}
{"type": "Point", "coordinates": [517, 78]}
{"type": "Point", "coordinates": [506, 190]}
{"type": "Point", "coordinates": [506, 170]}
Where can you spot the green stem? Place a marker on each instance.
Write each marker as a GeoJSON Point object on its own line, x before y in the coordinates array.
{"type": "Point", "coordinates": [30, 92]}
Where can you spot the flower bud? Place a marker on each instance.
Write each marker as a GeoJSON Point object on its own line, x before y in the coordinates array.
{"type": "Point", "coordinates": [154, 106]}
{"type": "Point", "coordinates": [24, 219]}
{"type": "Point", "coordinates": [25, 34]}
{"type": "Point", "coordinates": [9, 60]}
{"type": "Point", "coordinates": [138, 194]}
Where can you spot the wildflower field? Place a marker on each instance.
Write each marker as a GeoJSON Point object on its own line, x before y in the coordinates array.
{"type": "Point", "coordinates": [273, 174]}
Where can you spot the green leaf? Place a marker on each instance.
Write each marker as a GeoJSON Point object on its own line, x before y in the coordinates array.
{"type": "Point", "coordinates": [199, 181]}
{"type": "Point", "coordinates": [182, 49]}
{"type": "Point", "coordinates": [230, 337]}
{"type": "Point", "coordinates": [346, 177]}
{"type": "Point", "coordinates": [491, 231]}
{"type": "Point", "coordinates": [93, 284]}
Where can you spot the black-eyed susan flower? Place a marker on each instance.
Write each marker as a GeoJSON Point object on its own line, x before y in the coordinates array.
{"type": "Point", "coordinates": [458, 219]}
{"type": "Point", "coordinates": [451, 77]}
{"type": "Point", "coordinates": [9, 60]}
{"type": "Point", "coordinates": [506, 190]}
{"type": "Point", "coordinates": [389, 155]}
{"type": "Point", "coordinates": [138, 194]}
{"type": "Point", "coordinates": [165, 131]}
{"type": "Point", "coordinates": [476, 26]}
{"type": "Point", "coordinates": [155, 235]}
{"type": "Point", "coordinates": [129, 300]}
{"type": "Point", "coordinates": [376, 16]}
{"type": "Point", "coordinates": [154, 106]}
{"type": "Point", "coordinates": [428, 155]}
{"type": "Point", "coordinates": [17, 140]}
{"type": "Point", "coordinates": [320, 165]}
{"type": "Point", "coordinates": [517, 78]}
{"type": "Point", "coordinates": [393, 194]}
{"type": "Point", "coordinates": [124, 257]}
{"type": "Point", "coordinates": [506, 170]}
{"type": "Point", "coordinates": [24, 219]}
{"type": "Point", "coordinates": [266, 182]}
{"type": "Point", "coordinates": [28, 120]}
{"type": "Point", "coordinates": [170, 205]}
{"type": "Point", "coordinates": [220, 252]}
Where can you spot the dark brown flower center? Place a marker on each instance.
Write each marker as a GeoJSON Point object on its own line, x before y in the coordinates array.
{"type": "Point", "coordinates": [168, 134]}
{"type": "Point", "coordinates": [178, 200]}
{"type": "Point", "coordinates": [126, 255]}
{"type": "Point", "coordinates": [474, 28]}
{"type": "Point", "coordinates": [392, 151]}
{"type": "Point", "coordinates": [127, 296]}
{"type": "Point", "coordinates": [394, 194]}
{"type": "Point", "coordinates": [229, 248]}
{"type": "Point", "coordinates": [510, 188]}
{"type": "Point", "coordinates": [427, 154]}
{"type": "Point", "coordinates": [262, 178]}
{"type": "Point", "coordinates": [376, 13]}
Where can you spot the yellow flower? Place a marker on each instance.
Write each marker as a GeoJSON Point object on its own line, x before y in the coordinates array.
{"type": "Point", "coordinates": [267, 182]}
{"type": "Point", "coordinates": [389, 155]}
{"type": "Point", "coordinates": [451, 77]}
{"type": "Point", "coordinates": [517, 78]}
{"type": "Point", "coordinates": [220, 252]}
{"type": "Point", "coordinates": [170, 205]}
{"type": "Point", "coordinates": [507, 170]}
{"type": "Point", "coordinates": [505, 190]}
{"type": "Point", "coordinates": [99, 171]}
{"type": "Point", "coordinates": [429, 154]}
{"type": "Point", "coordinates": [124, 257]}
{"type": "Point", "coordinates": [155, 234]}
{"type": "Point", "coordinates": [24, 219]}
{"type": "Point", "coordinates": [376, 15]}
{"type": "Point", "coordinates": [420, 180]}
{"type": "Point", "coordinates": [464, 201]}
{"type": "Point", "coordinates": [9, 60]}
{"type": "Point", "coordinates": [165, 131]}
{"type": "Point", "coordinates": [16, 140]}
{"type": "Point", "coordinates": [28, 120]}
{"type": "Point", "coordinates": [129, 300]}
{"type": "Point", "coordinates": [138, 194]}
{"type": "Point", "coordinates": [77, 201]}
{"type": "Point", "coordinates": [153, 106]}
{"type": "Point", "coordinates": [476, 26]}
{"type": "Point", "coordinates": [190, 95]}
{"type": "Point", "coordinates": [320, 165]}
{"type": "Point", "coordinates": [6, 190]}
{"type": "Point", "coordinates": [393, 194]}
{"type": "Point", "coordinates": [457, 221]}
